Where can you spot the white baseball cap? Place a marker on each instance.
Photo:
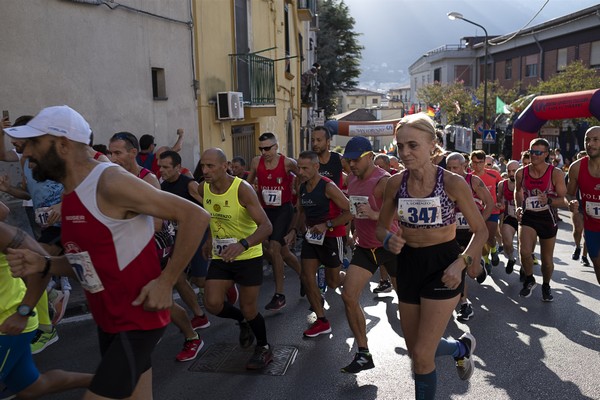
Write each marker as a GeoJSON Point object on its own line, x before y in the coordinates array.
{"type": "Point", "coordinates": [55, 121]}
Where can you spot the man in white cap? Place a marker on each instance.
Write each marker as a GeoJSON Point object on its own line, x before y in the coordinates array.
{"type": "Point", "coordinates": [108, 237]}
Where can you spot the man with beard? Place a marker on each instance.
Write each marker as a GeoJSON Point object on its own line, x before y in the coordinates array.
{"type": "Point", "coordinates": [539, 188]}
{"type": "Point", "coordinates": [107, 227]}
{"type": "Point", "coordinates": [584, 176]}
{"type": "Point", "coordinates": [510, 225]}
{"type": "Point", "coordinates": [330, 162]}
{"type": "Point", "coordinates": [271, 171]}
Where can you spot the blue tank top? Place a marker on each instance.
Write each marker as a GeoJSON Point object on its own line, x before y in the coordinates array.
{"type": "Point", "coordinates": [43, 194]}
{"type": "Point", "coordinates": [434, 211]}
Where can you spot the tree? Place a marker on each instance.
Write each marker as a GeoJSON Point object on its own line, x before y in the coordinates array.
{"type": "Point", "coordinates": [338, 52]}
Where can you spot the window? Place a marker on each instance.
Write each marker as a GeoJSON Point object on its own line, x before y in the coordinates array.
{"type": "Point", "coordinates": [561, 59]}
{"type": "Point", "coordinates": [437, 75]}
{"type": "Point", "coordinates": [159, 90]}
{"type": "Point", "coordinates": [531, 66]}
{"type": "Point", "coordinates": [375, 101]}
{"type": "Point", "coordinates": [508, 69]}
{"type": "Point", "coordinates": [595, 54]}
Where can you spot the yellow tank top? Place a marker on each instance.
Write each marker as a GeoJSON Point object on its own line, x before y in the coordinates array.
{"type": "Point", "coordinates": [229, 221]}
{"type": "Point", "coordinates": [12, 291]}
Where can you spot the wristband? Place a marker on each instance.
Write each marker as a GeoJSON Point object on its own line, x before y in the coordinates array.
{"type": "Point", "coordinates": [244, 243]}
{"type": "Point", "coordinates": [386, 241]}
{"type": "Point", "coordinates": [47, 266]}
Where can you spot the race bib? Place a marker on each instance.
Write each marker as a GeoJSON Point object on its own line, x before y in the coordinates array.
{"type": "Point", "coordinates": [461, 221]}
{"type": "Point", "coordinates": [356, 201]}
{"type": "Point", "coordinates": [41, 216]}
{"type": "Point", "coordinates": [533, 204]}
{"type": "Point", "coordinates": [423, 212]}
{"type": "Point", "coordinates": [219, 245]}
{"type": "Point", "coordinates": [85, 272]}
{"type": "Point", "coordinates": [314, 237]}
{"type": "Point", "coordinates": [592, 209]}
{"type": "Point", "coordinates": [271, 197]}
{"type": "Point", "coordinates": [510, 209]}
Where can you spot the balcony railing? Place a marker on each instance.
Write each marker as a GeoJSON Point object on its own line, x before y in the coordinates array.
{"type": "Point", "coordinates": [307, 9]}
{"type": "Point", "coordinates": [255, 77]}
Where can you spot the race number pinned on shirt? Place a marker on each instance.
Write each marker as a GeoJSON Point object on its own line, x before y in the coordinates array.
{"type": "Point", "coordinates": [355, 202]}
{"type": "Point", "coordinates": [533, 204]}
{"type": "Point", "coordinates": [42, 214]}
{"type": "Point", "coordinates": [85, 272]}
{"type": "Point", "coordinates": [423, 212]}
{"type": "Point", "coordinates": [219, 245]}
{"type": "Point", "coordinates": [271, 197]}
{"type": "Point", "coordinates": [592, 208]}
{"type": "Point", "coordinates": [315, 237]}
{"type": "Point", "coordinates": [461, 221]}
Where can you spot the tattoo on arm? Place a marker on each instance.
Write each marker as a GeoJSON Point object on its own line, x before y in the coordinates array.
{"type": "Point", "coordinates": [16, 241]}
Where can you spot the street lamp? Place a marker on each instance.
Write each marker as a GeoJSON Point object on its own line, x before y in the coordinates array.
{"type": "Point", "coordinates": [454, 16]}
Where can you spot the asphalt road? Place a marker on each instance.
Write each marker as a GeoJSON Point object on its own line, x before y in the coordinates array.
{"type": "Point", "coordinates": [526, 349]}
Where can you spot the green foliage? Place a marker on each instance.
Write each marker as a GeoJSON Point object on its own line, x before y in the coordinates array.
{"type": "Point", "coordinates": [338, 52]}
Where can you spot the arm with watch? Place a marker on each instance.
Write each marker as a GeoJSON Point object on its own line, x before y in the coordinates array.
{"type": "Point", "coordinates": [12, 237]}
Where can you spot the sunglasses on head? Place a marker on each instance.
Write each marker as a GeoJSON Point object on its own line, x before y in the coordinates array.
{"type": "Point", "coordinates": [266, 148]}
{"type": "Point", "coordinates": [536, 152]}
{"type": "Point", "coordinates": [125, 137]}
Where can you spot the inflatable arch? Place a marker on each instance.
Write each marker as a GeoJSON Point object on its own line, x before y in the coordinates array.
{"type": "Point", "coordinates": [362, 128]}
{"type": "Point", "coordinates": [557, 106]}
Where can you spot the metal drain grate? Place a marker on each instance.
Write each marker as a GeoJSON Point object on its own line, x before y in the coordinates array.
{"type": "Point", "coordinates": [227, 357]}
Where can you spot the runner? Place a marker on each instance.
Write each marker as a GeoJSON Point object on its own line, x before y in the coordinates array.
{"type": "Point", "coordinates": [431, 268]}
{"type": "Point", "coordinates": [506, 196]}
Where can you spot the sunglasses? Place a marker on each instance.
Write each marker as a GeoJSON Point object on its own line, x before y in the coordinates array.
{"type": "Point", "coordinates": [266, 148]}
{"type": "Point", "coordinates": [536, 152]}
{"type": "Point", "coordinates": [125, 137]}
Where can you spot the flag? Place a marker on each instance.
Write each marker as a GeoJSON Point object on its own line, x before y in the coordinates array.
{"type": "Point", "coordinates": [475, 99]}
{"type": "Point", "coordinates": [457, 105]}
{"type": "Point", "coordinates": [501, 107]}
{"type": "Point", "coordinates": [411, 110]}
{"type": "Point", "coordinates": [430, 111]}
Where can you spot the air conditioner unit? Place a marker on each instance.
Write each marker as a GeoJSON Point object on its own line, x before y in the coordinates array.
{"type": "Point", "coordinates": [230, 105]}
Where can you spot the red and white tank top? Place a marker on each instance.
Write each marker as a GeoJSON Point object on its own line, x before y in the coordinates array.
{"type": "Point", "coordinates": [589, 193]}
{"type": "Point", "coordinates": [533, 187]}
{"type": "Point", "coordinates": [274, 185]}
{"type": "Point", "coordinates": [122, 253]}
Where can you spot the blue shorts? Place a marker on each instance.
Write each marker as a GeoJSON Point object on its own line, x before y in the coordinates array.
{"type": "Point", "coordinates": [592, 241]}
{"type": "Point", "coordinates": [494, 218]}
{"type": "Point", "coordinates": [17, 369]}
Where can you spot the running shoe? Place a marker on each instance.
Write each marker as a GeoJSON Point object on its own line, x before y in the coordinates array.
{"type": "Point", "coordinates": [465, 313]}
{"type": "Point", "coordinates": [576, 253]}
{"type": "Point", "coordinates": [200, 322]}
{"type": "Point", "coordinates": [42, 340]}
{"type": "Point", "coordinates": [318, 328]}
{"type": "Point", "coordinates": [362, 361]}
{"type": "Point", "coordinates": [191, 348]}
{"type": "Point", "coordinates": [510, 266]}
{"type": "Point", "coordinates": [276, 303]}
{"type": "Point", "coordinates": [233, 294]}
{"type": "Point", "coordinates": [58, 300]}
{"type": "Point", "coordinates": [585, 261]}
{"type": "Point", "coordinates": [495, 259]}
{"type": "Point", "coordinates": [528, 286]}
{"type": "Point", "coordinates": [535, 260]}
{"type": "Point", "coordinates": [547, 293]}
{"type": "Point", "coordinates": [465, 365]}
{"type": "Point", "coordinates": [385, 286]}
{"type": "Point", "coordinates": [261, 358]}
{"type": "Point", "coordinates": [246, 335]}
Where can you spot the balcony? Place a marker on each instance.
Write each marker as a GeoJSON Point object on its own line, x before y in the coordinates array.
{"type": "Point", "coordinates": [307, 9]}
{"type": "Point", "coordinates": [254, 76]}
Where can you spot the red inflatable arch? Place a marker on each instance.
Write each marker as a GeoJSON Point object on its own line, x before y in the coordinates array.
{"type": "Point", "coordinates": [545, 108]}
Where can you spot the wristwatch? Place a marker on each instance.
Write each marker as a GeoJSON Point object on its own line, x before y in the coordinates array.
{"type": "Point", "coordinates": [244, 243]}
{"type": "Point", "coordinates": [329, 225]}
{"type": "Point", "coordinates": [467, 259]}
{"type": "Point", "coordinates": [25, 311]}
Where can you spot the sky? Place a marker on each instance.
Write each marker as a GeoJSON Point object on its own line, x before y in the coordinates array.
{"type": "Point", "coordinates": [395, 33]}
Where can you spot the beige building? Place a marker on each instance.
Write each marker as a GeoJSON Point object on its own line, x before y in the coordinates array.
{"type": "Point", "coordinates": [152, 66]}
{"type": "Point", "coordinates": [359, 98]}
